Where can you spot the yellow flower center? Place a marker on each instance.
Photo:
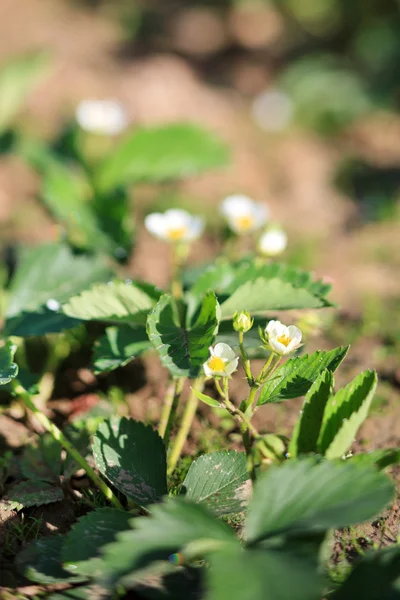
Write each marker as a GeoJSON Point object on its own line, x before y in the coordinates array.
{"type": "Point", "coordinates": [216, 363]}
{"type": "Point", "coordinates": [177, 233]}
{"type": "Point", "coordinates": [244, 223]}
{"type": "Point", "coordinates": [284, 339]}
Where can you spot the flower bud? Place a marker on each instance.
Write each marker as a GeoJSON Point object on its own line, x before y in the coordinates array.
{"type": "Point", "coordinates": [242, 321]}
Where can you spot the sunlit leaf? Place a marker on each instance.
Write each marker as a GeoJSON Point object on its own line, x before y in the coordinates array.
{"type": "Point", "coordinates": [119, 346]}
{"type": "Point", "coordinates": [8, 368]}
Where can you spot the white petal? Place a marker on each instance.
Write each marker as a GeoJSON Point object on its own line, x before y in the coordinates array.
{"type": "Point", "coordinates": [155, 224]}
{"type": "Point", "coordinates": [224, 351]}
{"type": "Point", "coordinates": [271, 326]}
{"type": "Point", "coordinates": [176, 217]}
{"type": "Point", "coordinates": [196, 228]}
{"type": "Point", "coordinates": [237, 205]}
{"type": "Point", "coordinates": [295, 333]}
{"type": "Point", "coordinates": [231, 367]}
{"type": "Point", "coordinates": [207, 370]}
{"type": "Point", "coordinates": [272, 242]}
{"type": "Point", "coordinates": [278, 347]}
{"type": "Point", "coordinates": [107, 117]}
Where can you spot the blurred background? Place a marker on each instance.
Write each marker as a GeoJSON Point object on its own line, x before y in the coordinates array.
{"type": "Point", "coordinates": [306, 95]}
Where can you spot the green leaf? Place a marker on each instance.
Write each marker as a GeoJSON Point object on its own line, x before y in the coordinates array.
{"type": "Point", "coordinates": [267, 574]}
{"type": "Point", "coordinates": [41, 562]}
{"type": "Point", "coordinates": [171, 527]}
{"type": "Point", "coordinates": [118, 347]}
{"type": "Point", "coordinates": [307, 429]}
{"type": "Point", "coordinates": [304, 496]}
{"type": "Point", "coordinates": [381, 459]}
{"type": "Point", "coordinates": [344, 413]}
{"type": "Point", "coordinates": [42, 460]}
{"type": "Point", "coordinates": [114, 302]}
{"type": "Point", "coordinates": [251, 342]}
{"type": "Point", "coordinates": [82, 592]}
{"type": "Point", "coordinates": [83, 544]}
{"type": "Point", "coordinates": [8, 368]}
{"type": "Point", "coordinates": [259, 288]}
{"type": "Point", "coordinates": [31, 493]}
{"type": "Point", "coordinates": [220, 481]}
{"type": "Point", "coordinates": [52, 272]}
{"type": "Point", "coordinates": [38, 323]}
{"type": "Point", "coordinates": [206, 399]}
{"type": "Point", "coordinates": [160, 154]}
{"type": "Point", "coordinates": [132, 457]}
{"type": "Point", "coordinates": [182, 333]}
{"type": "Point", "coordinates": [375, 577]}
{"type": "Point", "coordinates": [17, 77]}
{"type": "Point", "coordinates": [295, 377]}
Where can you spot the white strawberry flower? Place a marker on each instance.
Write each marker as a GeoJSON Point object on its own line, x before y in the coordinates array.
{"type": "Point", "coordinates": [222, 362]}
{"type": "Point", "coordinates": [174, 225]}
{"type": "Point", "coordinates": [106, 117]}
{"type": "Point", "coordinates": [283, 340]}
{"type": "Point", "coordinates": [243, 214]}
{"type": "Point", "coordinates": [272, 242]}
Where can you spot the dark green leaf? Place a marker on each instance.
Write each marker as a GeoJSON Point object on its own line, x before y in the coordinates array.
{"type": "Point", "coordinates": [295, 377]}
{"type": "Point", "coordinates": [42, 460]}
{"type": "Point", "coordinates": [118, 347]}
{"type": "Point", "coordinates": [220, 481]}
{"type": "Point", "coordinates": [344, 413]}
{"type": "Point", "coordinates": [52, 272]}
{"type": "Point", "coordinates": [304, 496]}
{"type": "Point", "coordinates": [171, 526]}
{"type": "Point", "coordinates": [161, 153]}
{"type": "Point", "coordinates": [307, 429]}
{"type": "Point", "coordinates": [267, 574]}
{"type": "Point", "coordinates": [8, 368]}
{"type": "Point", "coordinates": [31, 493]}
{"type": "Point", "coordinates": [375, 577]}
{"type": "Point", "coordinates": [114, 302]}
{"type": "Point", "coordinates": [182, 334]}
{"type": "Point", "coordinates": [83, 592]}
{"type": "Point", "coordinates": [83, 544]}
{"type": "Point", "coordinates": [41, 562]}
{"type": "Point", "coordinates": [17, 77]}
{"type": "Point", "coordinates": [38, 323]}
{"type": "Point", "coordinates": [132, 456]}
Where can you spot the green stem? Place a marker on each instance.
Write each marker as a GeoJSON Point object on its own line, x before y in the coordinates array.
{"type": "Point", "coordinates": [66, 444]}
{"type": "Point", "coordinates": [168, 414]}
{"type": "Point", "coordinates": [245, 360]}
{"type": "Point", "coordinates": [187, 420]}
{"type": "Point", "coordinates": [265, 368]}
{"type": "Point", "coordinates": [220, 390]}
{"type": "Point", "coordinates": [250, 400]}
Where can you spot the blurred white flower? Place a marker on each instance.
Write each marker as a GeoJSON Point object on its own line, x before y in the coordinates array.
{"type": "Point", "coordinates": [283, 340]}
{"type": "Point", "coordinates": [272, 110]}
{"type": "Point", "coordinates": [272, 242]}
{"type": "Point", "coordinates": [107, 117]}
{"type": "Point", "coordinates": [175, 225]}
{"type": "Point", "coordinates": [243, 214]}
{"type": "Point", "coordinates": [222, 362]}
{"type": "Point", "coordinates": [52, 304]}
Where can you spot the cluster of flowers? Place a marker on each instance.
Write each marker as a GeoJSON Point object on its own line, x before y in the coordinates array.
{"type": "Point", "coordinates": [242, 214]}
{"type": "Point", "coordinates": [281, 340]}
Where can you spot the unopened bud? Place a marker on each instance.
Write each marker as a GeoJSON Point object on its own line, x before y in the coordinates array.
{"type": "Point", "coordinates": [242, 321]}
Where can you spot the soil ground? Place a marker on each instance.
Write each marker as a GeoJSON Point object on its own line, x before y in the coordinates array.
{"type": "Point", "coordinates": [291, 171]}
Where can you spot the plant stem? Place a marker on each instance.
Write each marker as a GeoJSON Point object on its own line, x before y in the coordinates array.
{"type": "Point", "coordinates": [66, 444]}
{"type": "Point", "coordinates": [245, 360]}
{"type": "Point", "coordinates": [169, 409]}
{"type": "Point", "coordinates": [187, 420]}
{"type": "Point", "coordinates": [250, 400]}
{"type": "Point", "coordinates": [265, 368]}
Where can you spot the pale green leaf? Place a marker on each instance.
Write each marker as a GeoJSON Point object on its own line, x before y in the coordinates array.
{"type": "Point", "coordinates": [114, 302]}
{"type": "Point", "coordinates": [307, 429]}
{"type": "Point", "coordinates": [220, 481]}
{"type": "Point", "coordinates": [344, 414]}
{"type": "Point", "coordinates": [182, 333]}
{"type": "Point", "coordinates": [132, 457]}
{"type": "Point", "coordinates": [295, 377]}
{"type": "Point", "coordinates": [17, 77]}
{"type": "Point", "coordinates": [161, 153]}
{"type": "Point", "coordinates": [81, 551]}
{"type": "Point", "coordinates": [206, 399]}
{"type": "Point", "coordinates": [52, 272]}
{"type": "Point", "coordinates": [262, 574]}
{"type": "Point", "coordinates": [305, 496]}
{"type": "Point", "coordinates": [119, 346]}
{"type": "Point", "coordinates": [381, 459]}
